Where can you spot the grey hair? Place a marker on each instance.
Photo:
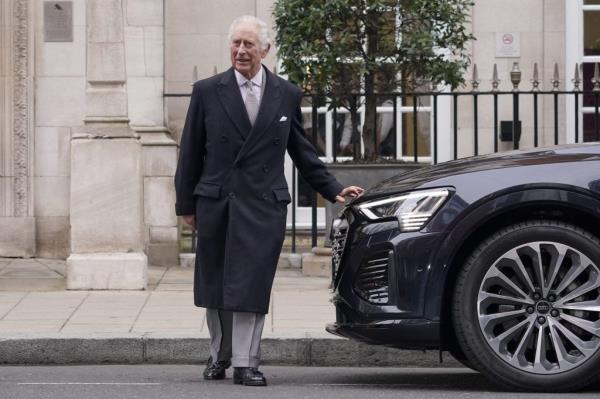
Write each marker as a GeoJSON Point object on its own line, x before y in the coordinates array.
{"type": "Point", "coordinates": [264, 36]}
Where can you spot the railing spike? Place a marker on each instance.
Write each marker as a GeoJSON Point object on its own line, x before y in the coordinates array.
{"type": "Point", "coordinates": [576, 79]}
{"type": "Point", "coordinates": [215, 71]}
{"type": "Point", "coordinates": [194, 75]}
{"type": "Point", "coordinates": [495, 80]}
{"type": "Point", "coordinates": [536, 78]}
{"type": "Point", "coordinates": [475, 81]}
{"type": "Point", "coordinates": [275, 69]}
{"type": "Point", "coordinates": [555, 79]}
{"type": "Point", "coordinates": [596, 78]}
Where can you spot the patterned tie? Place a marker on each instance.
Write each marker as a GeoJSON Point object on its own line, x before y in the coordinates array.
{"type": "Point", "coordinates": [251, 102]}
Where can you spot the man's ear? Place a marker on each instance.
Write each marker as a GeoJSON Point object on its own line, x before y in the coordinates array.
{"type": "Point", "coordinates": [266, 51]}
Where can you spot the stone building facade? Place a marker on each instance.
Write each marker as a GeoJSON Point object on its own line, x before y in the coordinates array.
{"type": "Point", "coordinates": [88, 140]}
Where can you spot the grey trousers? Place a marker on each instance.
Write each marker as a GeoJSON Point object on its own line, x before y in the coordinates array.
{"type": "Point", "coordinates": [235, 336]}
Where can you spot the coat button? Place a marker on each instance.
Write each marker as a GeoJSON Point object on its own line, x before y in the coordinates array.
{"type": "Point", "coordinates": [231, 195]}
{"type": "Point", "coordinates": [277, 141]}
{"type": "Point", "coordinates": [265, 168]}
{"type": "Point", "coordinates": [224, 139]}
{"type": "Point", "coordinates": [265, 196]}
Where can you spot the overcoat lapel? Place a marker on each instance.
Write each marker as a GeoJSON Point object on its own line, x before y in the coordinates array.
{"type": "Point", "coordinates": [269, 105]}
{"type": "Point", "coordinates": [232, 102]}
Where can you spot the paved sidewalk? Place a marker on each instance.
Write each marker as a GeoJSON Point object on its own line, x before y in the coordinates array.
{"type": "Point", "coordinates": [33, 302]}
{"type": "Point", "coordinates": [41, 322]}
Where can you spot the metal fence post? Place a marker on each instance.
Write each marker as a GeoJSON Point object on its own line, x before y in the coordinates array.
{"type": "Point", "coordinates": [555, 83]}
{"type": "Point", "coordinates": [475, 83]}
{"type": "Point", "coordinates": [576, 82]}
{"type": "Point", "coordinates": [435, 127]}
{"type": "Point", "coordinates": [313, 195]}
{"type": "Point", "coordinates": [294, 209]}
{"type": "Point", "coordinates": [515, 78]}
{"type": "Point", "coordinates": [535, 89]}
{"type": "Point", "coordinates": [495, 84]}
{"type": "Point", "coordinates": [455, 123]}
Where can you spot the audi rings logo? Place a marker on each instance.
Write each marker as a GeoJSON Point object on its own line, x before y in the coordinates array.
{"type": "Point", "coordinates": [543, 307]}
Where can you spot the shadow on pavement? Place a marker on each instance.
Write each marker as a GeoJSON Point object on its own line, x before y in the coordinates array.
{"type": "Point", "coordinates": [432, 379]}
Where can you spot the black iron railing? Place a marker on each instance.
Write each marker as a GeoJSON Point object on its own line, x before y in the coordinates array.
{"type": "Point", "coordinates": [583, 100]}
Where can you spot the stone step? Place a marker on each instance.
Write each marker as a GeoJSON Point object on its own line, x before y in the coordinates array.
{"type": "Point", "coordinates": [303, 241]}
{"type": "Point", "coordinates": [316, 263]}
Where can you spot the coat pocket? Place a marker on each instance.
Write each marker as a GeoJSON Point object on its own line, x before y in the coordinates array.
{"type": "Point", "coordinates": [283, 127]}
{"type": "Point", "coordinates": [206, 189]}
{"type": "Point", "coordinates": [282, 195]}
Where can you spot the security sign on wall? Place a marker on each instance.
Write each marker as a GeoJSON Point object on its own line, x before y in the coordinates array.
{"type": "Point", "coordinates": [508, 44]}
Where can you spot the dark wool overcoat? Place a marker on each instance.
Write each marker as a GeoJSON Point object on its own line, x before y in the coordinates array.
{"type": "Point", "coordinates": [230, 174]}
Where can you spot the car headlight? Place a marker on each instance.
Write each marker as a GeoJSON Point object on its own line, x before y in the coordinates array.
{"type": "Point", "coordinates": [413, 210]}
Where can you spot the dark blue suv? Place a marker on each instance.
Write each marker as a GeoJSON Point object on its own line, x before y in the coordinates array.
{"type": "Point", "coordinates": [494, 259]}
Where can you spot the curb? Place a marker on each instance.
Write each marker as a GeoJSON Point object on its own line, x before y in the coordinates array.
{"type": "Point", "coordinates": [169, 350]}
{"type": "Point", "coordinates": [287, 260]}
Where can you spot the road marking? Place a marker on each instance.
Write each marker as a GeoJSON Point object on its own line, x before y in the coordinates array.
{"type": "Point", "coordinates": [88, 383]}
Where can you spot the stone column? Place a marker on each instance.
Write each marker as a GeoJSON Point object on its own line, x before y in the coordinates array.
{"type": "Point", "coordinates": [144, 44]}
{"type": "Point", "coordinates": [17, 224]}
{"type": "Point", "coordinates": [106, 167]}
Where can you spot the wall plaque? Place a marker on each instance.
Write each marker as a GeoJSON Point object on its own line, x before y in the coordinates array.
{"type": "Point", "coordinates": [58, 21]}
{"type": "Point", "coordinates": [508, 44]}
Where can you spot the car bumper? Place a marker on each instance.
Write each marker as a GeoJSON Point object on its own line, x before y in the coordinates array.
{"type": "Point", "coordinates": [400, 333]}
{"type": "Point", "coordinates": [379, 280]}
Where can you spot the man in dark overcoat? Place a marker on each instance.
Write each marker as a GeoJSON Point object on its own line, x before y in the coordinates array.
{"type": "Point", "coordinates": [230, 186]}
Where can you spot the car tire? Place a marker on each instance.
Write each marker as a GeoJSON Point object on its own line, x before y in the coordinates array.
{"type": "Point", "coordinates": [526, 307]}
{"type": "Point", "coordinates": [460, 357]}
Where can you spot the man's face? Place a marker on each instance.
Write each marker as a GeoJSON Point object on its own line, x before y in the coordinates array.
{"type": "Point", "coordinates": [246, 54]}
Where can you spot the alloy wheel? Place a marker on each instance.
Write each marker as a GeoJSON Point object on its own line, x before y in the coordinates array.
{"type": "Point", "coordinates": [538, 307]}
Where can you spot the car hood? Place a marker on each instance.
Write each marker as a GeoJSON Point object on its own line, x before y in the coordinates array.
{"type": "Point", "coordinates": [429, 174]}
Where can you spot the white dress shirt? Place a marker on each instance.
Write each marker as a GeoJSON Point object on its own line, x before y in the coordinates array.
{"type": "Point", "coordinates": [257, 82]}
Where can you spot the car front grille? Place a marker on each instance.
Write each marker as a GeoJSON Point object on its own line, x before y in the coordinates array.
{"type": "Point", "coordinates": [338, 243]}
{"type": "Point", "coordinates": [372, 282]}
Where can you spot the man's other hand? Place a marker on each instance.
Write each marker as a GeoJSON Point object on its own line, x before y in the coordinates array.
{"type": "Point", "coordinates": [190, 220]}
{"type": "Point", "coordinates": [350, 191]}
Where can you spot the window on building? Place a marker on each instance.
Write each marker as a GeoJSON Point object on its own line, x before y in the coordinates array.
{"type": "Point", "coordinates": [591, 56]}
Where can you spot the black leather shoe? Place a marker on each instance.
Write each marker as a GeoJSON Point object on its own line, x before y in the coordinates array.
{"type": "Point", "coordinates": [216, 370]}
{"type": "Point", "coordinates": [249, 376]}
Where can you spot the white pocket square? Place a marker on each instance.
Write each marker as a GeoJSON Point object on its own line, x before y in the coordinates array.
{"type": "Point", "coordinates": [283, 119]}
